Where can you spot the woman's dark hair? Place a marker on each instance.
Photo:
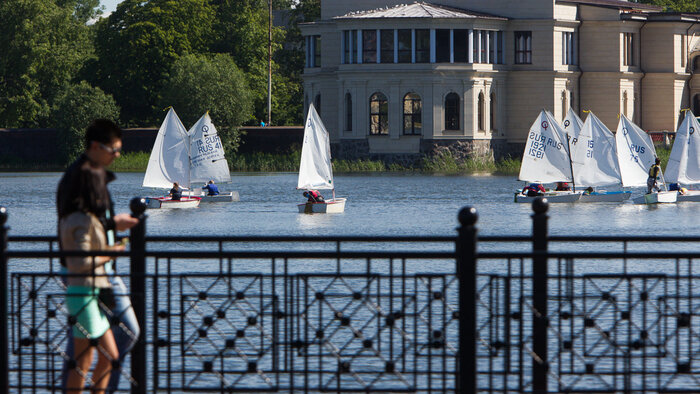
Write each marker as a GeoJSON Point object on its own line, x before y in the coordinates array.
{"type": "Point", "coordinates": [92, 192]}
{"type": "Point", "coordinates": [103, 131]}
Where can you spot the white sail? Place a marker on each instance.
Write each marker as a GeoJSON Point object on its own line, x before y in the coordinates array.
{"type": "Point", "coordinates": [207, 160]}
{"type": "Point", "coordinates": [635, 153]}
{"type": "Point", "coordinates": [546, 156]}
{"type": "Point", "coordinates": [315, 171]}
{"type": "Point", "coordinates": [594, 157]}
{"type": "Point", "coordinates": [684, 163]}
{"type": "Point", "coordinates": [169, 161]}
{"type": "Point", "coordinates": [572, 127]}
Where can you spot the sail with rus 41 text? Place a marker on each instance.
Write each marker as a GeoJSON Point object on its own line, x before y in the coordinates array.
{"type": "Point", "coordinates": [635, 153]}
{"type": "Point", "coordinates": [546, 156]}
{"type": "Point", "coordinates": [207, 160]}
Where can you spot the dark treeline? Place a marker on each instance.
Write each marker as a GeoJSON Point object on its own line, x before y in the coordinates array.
{"type": "Point", "coordinates": [675, 5]}
{"type": "Point", "coordinates": [58, 69]}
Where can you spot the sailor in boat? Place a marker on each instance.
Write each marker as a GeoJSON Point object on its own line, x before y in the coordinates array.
{"type": "Point", "coordinates": [211, 188]}
{"type": "Point", "coordinates": [588, 191]}
{"type": "Point", "coordinates": [176, 192]}
{"type": "Point", "coordinates": [654, 173]}
{"type": "Point", "coordinates": [677, 187]}
{"type": "Point", "coordinates": [533, 190]}
{"type": "Point", "coordinates": [563, 187]}
{"type": "Point", "coordinates": [313, 196]}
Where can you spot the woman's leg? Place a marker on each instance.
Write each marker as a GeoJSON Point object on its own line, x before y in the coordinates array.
{"type": "Point", "coordinates": [83, 359]}
{"type": "Point", "coordinates": [106, 353]}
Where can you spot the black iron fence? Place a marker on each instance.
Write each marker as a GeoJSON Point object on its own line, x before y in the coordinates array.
{"type": "Point", "coordinates": [366, 314]}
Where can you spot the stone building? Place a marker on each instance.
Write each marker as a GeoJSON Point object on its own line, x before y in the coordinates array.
{"type": "Point", "coordinates": [394, 80]}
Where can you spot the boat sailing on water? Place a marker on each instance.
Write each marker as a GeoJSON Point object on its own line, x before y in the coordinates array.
{"type": "Point", "coordinates": [169, 163]}
{"type": "Point", "coordinates": [207, 160]}
{"type": "Point", "coordinates": [684, 163]}
{"type": "Point", "coordinates": [315, 170]}
{"type": "Point", "coordinates": [635, 156]}
{"type": "Point", "coordinates": [594, 162]}
{"type": "Point", "coordinates": [546, 159]}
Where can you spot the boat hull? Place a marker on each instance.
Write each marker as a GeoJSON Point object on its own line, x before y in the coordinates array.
{"type": "Point", "coordinates": [551, 197]}
{"type": "Point", "coordinates": [167, 203]}
{"type": "Point", "coordinates": [657, 198]}
{"type": "Point", "coordinates": [336, 205]}
{"type": "Point", "coordinates": [223, 197]}
{"type": "Point", "coordinates": [606, 197]}
{"type": "Point", "coordinates": [690, 196]}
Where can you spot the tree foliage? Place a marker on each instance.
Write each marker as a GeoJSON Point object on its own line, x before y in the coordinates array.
{"type": "Point", "coordinates": [75, 107]}
{"type": "Point", "coordinates": [43, 46]}
{"type": "Point", "coordinates": [138, 44]}
{"type": "Point", "coordinates": [199, 83]}
{"type": "Point", "coordinates": [676, 5]}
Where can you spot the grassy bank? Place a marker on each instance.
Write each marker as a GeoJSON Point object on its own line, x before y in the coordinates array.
{"type": "Point", "coordinates": [289, 162]}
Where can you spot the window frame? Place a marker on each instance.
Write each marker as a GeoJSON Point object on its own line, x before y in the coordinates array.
{"type": "Point", "coordinates": [451, 103]}
{"type": "Point", "coordinates": [523, 47]}
{"type": "Point", "coordinates": [382, 114]}
{"type": "Point", "coordinates": [415, 116]}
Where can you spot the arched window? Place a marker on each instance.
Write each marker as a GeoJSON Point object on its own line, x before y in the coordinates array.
{"type": "Point", "coordinates": [378, 114]}
{"type": "Point", "coordinates": [452, 111]}
{"type": "Point", "coordinates": [412, 114]}
{"type": "Point", "coordinates": [317, 103]}
{"type": "Point", "coordinates": [492, 111]}
{"type": "Point", "coordinates": [348, 112]}
{"type": "Point", "coordinates": [480, 111]}
{"type": "Point", "coordinates": [696, 64]}
{"type": "Point", "coordinates": [624, 104]}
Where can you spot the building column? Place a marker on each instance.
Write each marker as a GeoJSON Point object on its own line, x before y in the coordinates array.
{"type": "Point", "coordinates": [359, 47]}
{"type": "Point", "coordinates": [395, 121]}
{"type": "Point", "coordinates": [432, 45]}
{"type": "Point", "coordinates": [379, 46]}
{"type": "Point", "coordinates": [413, 45]}
{"type": "Point", "coordinates": [452, 46]}
{"type": "Point", "coordinates": [470, 46]}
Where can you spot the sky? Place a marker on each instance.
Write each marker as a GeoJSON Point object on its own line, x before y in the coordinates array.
{"type": "Point", "coordinates": [110, 5]}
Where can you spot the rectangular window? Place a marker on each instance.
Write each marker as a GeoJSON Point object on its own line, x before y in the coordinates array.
{"type": "Point", "coordinates": [523, 47]}
{"type": "Point", "coordinates": [369, 46]}
{"type": "Point", "coordinates": [353, 49]}
{"type": "Point", "coordinates": [422, 46]}
{"type": "Point", "coordinates": [484, 46]}
{"type": "Point", "coordinates": [684, 55]}
{"type": "Point", "coordinates": [487, 46]}
{"type": "Point", "coordinates": [442, 45]}
{"type": "Point", "coordinates": [347, 46]}
{"type": "Point", "coordinates": [492, 47]}
{"type": "Point", "coordinates": [501, 43]}
{"type": "Point", "coordinates": [404, 45]}
{"type": "Point", "coordinates": [628, 49]}
{"type": "Point", "coordinates": [461, 45]}
{"type": "Point", "coordinates": [567, 48]}
{"type": "Point", "coordinates": [387, 42]}
{"type": "Point", "coordinates": [317, 51]}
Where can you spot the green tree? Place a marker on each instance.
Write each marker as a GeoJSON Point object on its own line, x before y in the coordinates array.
{"type": "Point", "coordinates": [214, 83]}
{"type": "Point", "coordinates": [43, 45]}
{"type": "Point", "coordinates": [76, 106]}
{"type": "Point", "coordinates": [138, 44]}
{"type": "Point", "coordinates": [676, 5]}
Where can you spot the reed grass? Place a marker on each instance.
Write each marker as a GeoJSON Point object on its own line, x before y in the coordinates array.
{"type": "Point", "coordinates": [131, 162]}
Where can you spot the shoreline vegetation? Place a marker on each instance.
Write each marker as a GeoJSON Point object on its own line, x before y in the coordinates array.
{"type": "Point", "coordinates": [289, 162]}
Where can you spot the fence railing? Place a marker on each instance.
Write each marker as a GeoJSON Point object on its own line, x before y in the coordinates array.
{"type": "Point", "coordinates": [365, 314]}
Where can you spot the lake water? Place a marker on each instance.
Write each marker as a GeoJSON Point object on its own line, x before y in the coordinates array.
{"type": "Point", "coordinates": [378, 204]}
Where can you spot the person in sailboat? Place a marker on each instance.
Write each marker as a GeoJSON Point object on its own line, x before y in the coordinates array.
{"type": "Point", "coordinates": [313, 196]}
{"type": "Point", "coordinates": [562, 187]}
{"type": "Point", "coordinates": [211, 188]}
{"type": "Point", "coordinates": [86, 221]}
{"type": "Point", "coordinates": [654, 173]}
{"type": "Point", "coordinates": [534, 190]}
{"type": "Point", "coordinates": [588, 191]}
{"type": "Point", "coordinates": [176, 192]}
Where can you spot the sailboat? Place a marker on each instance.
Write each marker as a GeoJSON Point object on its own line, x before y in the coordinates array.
{"type": "Point", "coordinates": [635, 155]}
{"type": "Point", "coordinates": [546, 159]}
{"type": "Point", "coordinates": [315, 171]}
{"type": "Point", "coordinates": [594, 161]}
{"type": "Point", "coordinates": [207, 160]}
{"type": "Point", "coordinates": [684, 163]}
{"type": "Point", "coordinates": [169, 163]}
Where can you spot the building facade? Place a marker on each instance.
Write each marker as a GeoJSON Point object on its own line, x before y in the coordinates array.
{"type": "Point", "coordinates": [394, 80]}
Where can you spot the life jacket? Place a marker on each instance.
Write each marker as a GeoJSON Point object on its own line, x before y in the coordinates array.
{"type": "Point", "coordinates": [314, 194]}
{"type": "Point", "coordinates": [654, 171]}
{"type": "Point", "coordinates": [534, 187]}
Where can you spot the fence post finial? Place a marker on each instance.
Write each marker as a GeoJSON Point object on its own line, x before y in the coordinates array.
{"type": "Point", "coordinates": [4, 333]}
{"type": "Point", "coordinates": [466, 275]}
{"type": "Point", "coordinates": [540, 321]}
{"type": "Point", "coordinates": [138, 293]}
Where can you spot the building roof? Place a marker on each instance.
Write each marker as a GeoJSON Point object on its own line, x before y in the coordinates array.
{"type": "Point", "coordinates": [623, 4]}
{"type": "Point", "coordinates": [418, 9]}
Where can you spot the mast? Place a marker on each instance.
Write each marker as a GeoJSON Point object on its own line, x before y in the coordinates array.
{"type": "Point", "coordinates": [269, 64]}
